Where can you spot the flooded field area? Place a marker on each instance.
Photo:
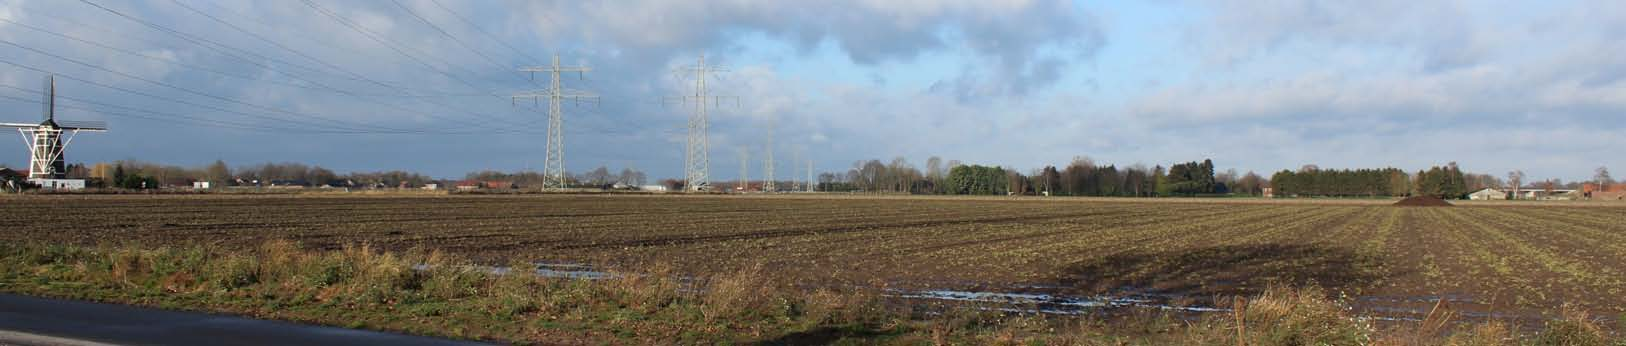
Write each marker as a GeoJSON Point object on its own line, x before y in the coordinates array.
{"type": "Point", "coordinates": [1048, 255]}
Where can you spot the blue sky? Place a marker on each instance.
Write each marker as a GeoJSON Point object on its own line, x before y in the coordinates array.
{"type": "Point", "coordinates": [1259, 85]}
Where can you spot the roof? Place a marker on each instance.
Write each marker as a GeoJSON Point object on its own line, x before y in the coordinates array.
{"type": "Point", "coordinates": [7, 172]}
{"type": "Point", "coordinates": [1490, 190]}
{"type": "Point", "coordinates": [1542, 188]}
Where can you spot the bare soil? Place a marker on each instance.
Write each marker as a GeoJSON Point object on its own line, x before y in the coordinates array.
{"type": "Point", "coordinates": [1510, 260]}
{"type": "Point", "coordinates": [1423, 201]}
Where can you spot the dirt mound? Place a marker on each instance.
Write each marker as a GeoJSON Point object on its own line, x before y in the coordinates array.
{"type": "Point", "coordinates": [1423, 201]}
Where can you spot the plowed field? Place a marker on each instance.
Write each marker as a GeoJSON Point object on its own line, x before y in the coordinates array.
{"type": "Point", "coordinates": [1503, 259]}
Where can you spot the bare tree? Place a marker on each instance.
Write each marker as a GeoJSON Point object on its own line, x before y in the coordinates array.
{"type": "Point", "coordinates": [218, 173]}
{"type": "Point", "coordinates": [632, 177]}
{"type": "Point", "coordinates": [1251, 183]}
{"type": "Point", "coordinates": [598, 176]}
{"type": "Point", "coordinates": [1516, 178]}
{"type": "Point", "coordinates": [1602, 178]}
{"type": "Point", "coordinates": [934, 168]}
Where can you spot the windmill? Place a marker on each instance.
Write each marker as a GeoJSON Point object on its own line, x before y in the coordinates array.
{"type": "Point", "coordinates": [48, 140]}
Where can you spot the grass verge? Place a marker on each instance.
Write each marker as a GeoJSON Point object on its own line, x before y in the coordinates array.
{"type": "Point", "coordinates": [429, 293]}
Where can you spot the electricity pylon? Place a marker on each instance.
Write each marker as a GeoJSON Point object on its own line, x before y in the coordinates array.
{"type": "Point", "coordinates": [810, 175]}
{"type": "Point", "coordinates": [553, 167]}
{"type": "Point", "coordinates": [795, 170]}
{"type": "Point", "coordinates": [768, 184]}
{"type": "Point", "coordinates": [696, 154]}
{"type": "Point", "coordinates": [745, 164]}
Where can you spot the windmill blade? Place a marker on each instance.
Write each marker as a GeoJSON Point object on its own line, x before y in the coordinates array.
{"type": "Point", "coordinates": [50, 99]}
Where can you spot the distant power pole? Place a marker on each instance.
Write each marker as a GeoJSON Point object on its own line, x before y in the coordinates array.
{"type": "Point", "coordinates": [810, 175]}
{"type": "Point", "coordinates": [795, 171]}
{"type": "Point", "coordinates": [553, 167]}
{"type": "Point", "coordinates": [745, 164]}
{"type": "Point", "coordinates": [696, 154]}
{"type": "Point", "coordinates": [767, 166]}
{"type": "Point", "coordinates": [768, 184]}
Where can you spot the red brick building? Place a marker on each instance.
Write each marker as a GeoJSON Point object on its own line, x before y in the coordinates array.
{"type": "Point", "coordinates": [1611, 192]}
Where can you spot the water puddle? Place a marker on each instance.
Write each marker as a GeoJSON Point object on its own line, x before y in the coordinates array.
{"type": "Point", "coordinates": [1377, 308]}
{"type": "Point", "coordinates": [1046, 303]}
{"type": "Point", "coordinates": [571, 271]}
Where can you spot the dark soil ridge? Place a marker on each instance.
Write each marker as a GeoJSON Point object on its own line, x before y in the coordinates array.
{"type": "Point", "coordinates": [1423, 201]}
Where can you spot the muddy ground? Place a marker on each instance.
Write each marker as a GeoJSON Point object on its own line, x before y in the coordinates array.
{"type": "Point", "coordinates": [1488, 260]}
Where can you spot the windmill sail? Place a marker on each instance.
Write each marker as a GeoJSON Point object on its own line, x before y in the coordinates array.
{"type": "Point", "coordinates": [49, 92]}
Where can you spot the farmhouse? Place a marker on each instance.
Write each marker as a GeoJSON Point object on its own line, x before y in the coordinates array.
{"type": "Point", "coordinates": [1488, 194]}
{"type": "Point", "coordinates": [1541, 193]}
{"type": "Point", "coordinates": [59, 184]}
{"type": "Point", "coordinates": [1613, 192]}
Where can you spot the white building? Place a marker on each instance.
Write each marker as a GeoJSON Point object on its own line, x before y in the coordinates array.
{"type": "Point", "coordinates": [201, 185]}
{"type": "Point", "coordinates": [1540, 193]}
{"type": "Point", "coordinates": [657, 188]}
{"type": "Point", "coordinates": [1487, 194]}
{"type": "Point", "coordinates": [59, 184]}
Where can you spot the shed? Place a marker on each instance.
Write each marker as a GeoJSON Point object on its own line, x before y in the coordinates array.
{"type": "Point", "coordinates": [1487, 194]}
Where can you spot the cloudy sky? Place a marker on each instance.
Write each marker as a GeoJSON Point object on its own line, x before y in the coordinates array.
{"type": "Point", "coordinates": [424, 85]}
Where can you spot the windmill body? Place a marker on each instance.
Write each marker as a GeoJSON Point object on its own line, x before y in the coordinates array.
{"type": "Point", "coordinates": [48, 142]}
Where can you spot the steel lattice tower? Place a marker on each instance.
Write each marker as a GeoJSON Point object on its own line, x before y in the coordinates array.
{"type": "Point", "coordinates": [768, 185]}
{"type": "Point", "coordinates": [553, 166]}
{"type": "Point", "coordinates": [745, 170]}
{"type": "Point", "coordinates": [696, 153]}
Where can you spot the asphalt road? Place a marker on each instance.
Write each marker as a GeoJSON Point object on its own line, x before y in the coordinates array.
{"type": "Point", "coordinates": [28, 320]}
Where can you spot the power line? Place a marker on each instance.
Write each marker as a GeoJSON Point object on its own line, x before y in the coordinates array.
{"type": "Point", "coordinates": [343, 70]}
{"type": "Point", "coordinates": [185, 90]}
{"type": "Point", "coordinates": [127, 37]}
{"type": "Point", "coordinates": [194, 104]}
{"type": "Point", "coordinates": [173, 62]}
{"type": "Point", "coordinates": [211, 45]}
{"type": "Point", "coordinates": [483, 31]}
{"type": "Point", "coordinates": [324, 40]}
{"type": "Point", "coordinates": [392, 46]}
{"type": "Point", "coordinates": [443, 32]}
{"type": "Point", "coordinates": [159, 115]}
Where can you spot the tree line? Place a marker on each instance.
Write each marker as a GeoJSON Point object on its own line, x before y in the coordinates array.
{"type": "Point", "coordinates": [1081, 177]}
{"type": "Point", "coordinates": [1448, 181]}
{"type": "Point", "coordinates": [1084, 177]}
{"type": "Point", "coordinates": [132, 174]}
{"type": "Point", "coordinates": [597, 177]}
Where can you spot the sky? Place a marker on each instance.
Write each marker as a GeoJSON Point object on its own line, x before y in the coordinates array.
{"type": "Point", "coordinates": [426, 85]}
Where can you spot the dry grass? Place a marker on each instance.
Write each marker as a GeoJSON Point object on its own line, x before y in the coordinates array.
{"type": "Point", "coordinates": [434, 294]}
